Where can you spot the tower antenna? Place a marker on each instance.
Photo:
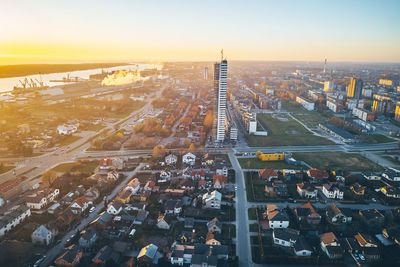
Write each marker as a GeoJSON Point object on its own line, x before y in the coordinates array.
{"type": "Point", "coordinates": [222, 54]}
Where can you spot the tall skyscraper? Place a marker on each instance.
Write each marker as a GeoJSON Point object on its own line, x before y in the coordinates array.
{"type": "Point", "coordinates": [206, 73]}
{"type": "Point", "coordinates": [220, 86]}
{"type": "Point", "coordinates": [355, 88]}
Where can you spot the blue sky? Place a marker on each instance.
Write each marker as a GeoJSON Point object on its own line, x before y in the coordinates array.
{"type": "Point", "coordinates": [196, 30]}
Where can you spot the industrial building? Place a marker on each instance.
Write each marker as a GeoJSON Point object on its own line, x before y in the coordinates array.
{"type": "Point", "coordinates": [338, 133]}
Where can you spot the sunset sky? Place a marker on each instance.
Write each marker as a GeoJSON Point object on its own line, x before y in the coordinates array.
{"type": "Point", "coordinates": [77, 31]}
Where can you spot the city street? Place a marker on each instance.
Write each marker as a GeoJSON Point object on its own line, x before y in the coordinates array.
{"type": "Point", "coordinates": [243, 249]}
{"type": "Point", "coordinates": [57, 249]}
{"type": "Point", "coordinates": [35, 166]}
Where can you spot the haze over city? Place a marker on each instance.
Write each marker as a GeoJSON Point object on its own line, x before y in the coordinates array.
{"type": "Point", "coordinates": [87, 31]}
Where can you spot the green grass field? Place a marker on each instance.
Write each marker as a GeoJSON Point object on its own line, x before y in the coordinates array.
{"type": "Point", "coordinates": [309, 118]}
{"type": "Point", "coordinates": [284, 133]}
{"type": "Point", "coordinates": [254, 163]}
{"type": "Point", "coordinates": [379, 138]}
{"type": "Point", "coordinates": [84, 167]}
{"type": "Point", "coordinates": [337, 161]}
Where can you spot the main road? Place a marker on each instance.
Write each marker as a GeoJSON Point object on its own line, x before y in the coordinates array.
{"type": "Point", "coordinates": [35, 166]}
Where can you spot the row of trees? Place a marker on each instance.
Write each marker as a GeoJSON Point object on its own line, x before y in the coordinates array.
{"type": "Point", "coordinates": [152, 127]}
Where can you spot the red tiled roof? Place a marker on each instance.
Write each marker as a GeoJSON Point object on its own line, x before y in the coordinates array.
{"type": "Point", "coordinates": [202, 183]}
{"type": "Point", "coordinates": [267, 173]}
{"type": "Point", "coordinates": [80, 201]}
{"type": "Point", "coordinates": [318, 174]}
{"type": "Point", "coordinates": [221, 178]}
{"type": "Point", "coordinates": [105, 162]}
{"type": "Point", "coordinates": [200, 172]}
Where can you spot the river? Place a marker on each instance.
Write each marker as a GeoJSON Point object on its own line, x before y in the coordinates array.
{"type": "Point", "coordinates": [7, 84]}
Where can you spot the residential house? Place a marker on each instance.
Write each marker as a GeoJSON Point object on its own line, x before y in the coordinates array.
{"type": "Point", "coordinates": [141, 217]}
{"type": "Point", "coordinates": [373, 219]}
{"type": "Point", "coordinates": [214, 226]}
{"type": "Point", "coordinates": [330, 245]}
{"type": "Point", "coordinates": [53, 209]}
{"type": "Point", "coordinates": [219, 181]}
{"type": "Point", "coordinates": [42, 236]}
{"type": "Point", "coordinates": [102, 221]}
{"type": "Point", "coordinates": [65, 218]}
{"type": "Point", "coordinates": [88, 238]}
{"type": "Point", "coordinates": [164, 221]}
{"type": "Point", "coordinates": [391, 191]}
{"type": "Point", "coordinates": [187, 184]}
{"type": "Point", "coordinates": [199, 255]}
{"type": "Point", "coordinates": [70, 257]}
{"type": "Point", "coordinates": [92, 194]}
{"type": "Point", "coordinates": [37, 202]}
{"type": "Point", "coordinates": [112, 176]}
{"type": "Point", "coordinates": [277, 218]}
{"type": "Point", "coordinates": [332, 191]}
{"type": "Point", "coordinates": [302, 248]}
{"type": "Point", "coordinates": [115, 207]}
{"type": "Point", "coordinates": [79, 205]}
{"type": "Point", "coordinates": [189, 159]}
{"type": "Point", "coordinates": [133, 185]}
{"type": "Point", "coordinates": [285, 237]}
{"type": "Point", "coordinates": [277, 189]}
{"type": "Point", "coordinates": [317, 175]}
{"type": "Point", "coordinates": [164, 176]}
{"type": "Point", "coordinates": [212, 200]}
{"type": "Point", "coordinates": [175, 192]}
{"type": "Point", "coordinates": [149, 186]}
{"type": "Point", "coordinates": [211, 239]}
{"type": "Point", "coordinates": [148, 254]}
{"type": "Point", "coordinates": [124, 196]}
{"type": "Point", "coordinates": [171, 159]}
{"type": "Point", "coordinates": [267, 174]}
{"type": "Point", "coordinates": [391, 174]}
{"type": "Point", "coordinates": [335, 215]}
{"type": "Point", "coordinates": [105, 255]}
{"type": "Point", "coordinates": [198, 174]}
{"type": "Point", "coordinates": [307, 190]}
{"type": "Point", "coordinates": [13, 217]}
{"type": "Point", "coordinates": [173, 206]}
{"type": "Point", "coordinates": [368, 246]}
{"type": "Point", "coordinates": [357, 189]}
{"type": "Point", "coordinates": [307, 213]}
{"type": "Point", "coordinates": [221, 169]}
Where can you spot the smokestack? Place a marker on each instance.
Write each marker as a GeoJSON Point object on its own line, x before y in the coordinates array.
{"type": "Point", "coordinates": [325, 66]}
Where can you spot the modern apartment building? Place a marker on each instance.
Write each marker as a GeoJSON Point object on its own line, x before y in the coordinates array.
{"type": "Point", "coordinates": [220, 87]}
{"type": "Point", "coordinates": [355, 88]}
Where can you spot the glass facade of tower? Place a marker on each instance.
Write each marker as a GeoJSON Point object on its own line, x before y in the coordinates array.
{"type": "Point", "coordinates": [220, 87]}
